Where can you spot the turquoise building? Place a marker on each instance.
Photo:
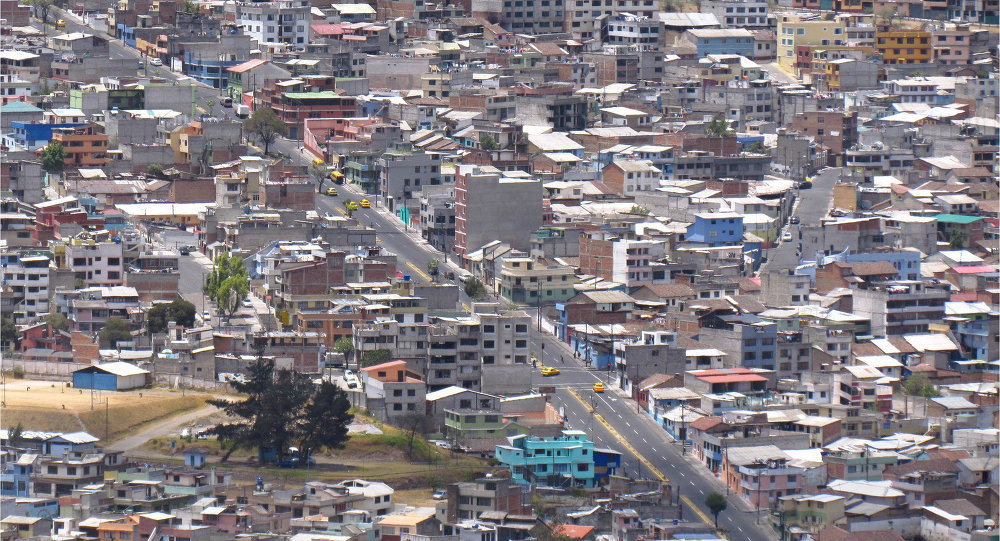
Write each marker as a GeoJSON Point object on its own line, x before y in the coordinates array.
{"type": "Point", "coordinates": [570, 460]}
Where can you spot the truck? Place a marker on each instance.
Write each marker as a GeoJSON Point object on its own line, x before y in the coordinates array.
{"type": "Point", "coordinates": [242, 111]}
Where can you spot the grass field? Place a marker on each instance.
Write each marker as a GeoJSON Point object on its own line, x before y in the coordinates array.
{"type": "Point", "coordinates": [382, 457]}
{"type": "Point", "coordinates": [48, 406]}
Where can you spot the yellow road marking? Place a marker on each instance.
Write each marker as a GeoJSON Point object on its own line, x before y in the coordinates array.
{"type": "Point", "coordinates": [421, 273]}
{"type": "Point", "coordinates": [697, 511]}
{"type": "Point", "coordinates": [340, 210]}
{"type": "Point", "coordinates": [656, 472]}
{"type": "Point", "coordinates": [617, 436]}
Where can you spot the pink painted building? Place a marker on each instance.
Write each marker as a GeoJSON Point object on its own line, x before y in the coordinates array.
{"type": "Point", "coordinates": [761, 475]}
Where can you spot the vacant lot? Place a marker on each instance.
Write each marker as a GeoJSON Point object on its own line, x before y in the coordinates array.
{"type": "Point", "coordinates": [49, 406]}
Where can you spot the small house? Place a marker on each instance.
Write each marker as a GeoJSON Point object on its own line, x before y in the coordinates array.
{"type": "Point", "coordinates": [115, 376]}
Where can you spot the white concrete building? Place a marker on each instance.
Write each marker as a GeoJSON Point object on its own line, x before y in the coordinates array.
{"type": "Point", "coordinates": [280, 21]}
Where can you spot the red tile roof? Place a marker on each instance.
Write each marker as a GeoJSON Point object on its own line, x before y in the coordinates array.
{"type": "Point", "coordinates": [573, 531]}
{"type": "Point", "coordinates": [734, 378]}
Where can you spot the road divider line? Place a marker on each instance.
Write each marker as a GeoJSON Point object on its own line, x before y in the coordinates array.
{"type": "Point", "coordinates": [617, 436]}
{"type": "Point", "coordinates": [421, 273]}
{"type": "Point", "coordinates": [697, 511]}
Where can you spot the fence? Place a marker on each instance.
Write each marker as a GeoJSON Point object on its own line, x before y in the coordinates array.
{"type": "Point", "coordinates": [188, 382]}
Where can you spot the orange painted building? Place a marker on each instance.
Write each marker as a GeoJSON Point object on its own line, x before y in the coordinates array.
{"type": "Point", "coordinates": [85, 146]}
{"type": "Point", "coordinates": [904, 46]}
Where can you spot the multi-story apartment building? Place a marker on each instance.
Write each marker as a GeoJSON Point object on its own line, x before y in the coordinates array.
{"type": "Point", "coordinates": [437, 217]}
{"type": "Point", "coordinates": [533, 16]}
{"type": "Point", "coordinates": [632, 30]}
{"type": "Point", "coordinates": [904, 46]}
{"type": "Point", "coordinates": [88, 309]}
{"type": "Point", "coordinates": [392, 391]}
{"type": "Point", "coordinates": [403, 173]}
{"type": "Point", "coordinates": [583, 17]}
{"type": "Point", "coordinates": [796, 32]}
{"type": "Point", "coordinates": [294, 107]}
{"type": "Point", "coordinates": [95, 262]}
{"type": "Point", "coordinates": [751, 14]}
{"type": "Point", "coordinates": [536, 281]}
{"type": "Point", "coordinates": [277, 21]}
{"type": "Point", "coordinates": [490, 206]}
{"type": "Point", "coordinates": [466, 501]}
{"type": "Point", "coordinates": [761, 475]}
{"type": "Point", "coordinates": [25, 278]}
{"type": "Point", "coordinates": [901, 307]}
{"type": "Point", "coordinates": [835, 129]}
{"type": "Point", "coordinates": [568, 460]}
{"type": "Point", "coordinates": [747, 340]}
{"type": "Point", "coordinates": [85, 146]}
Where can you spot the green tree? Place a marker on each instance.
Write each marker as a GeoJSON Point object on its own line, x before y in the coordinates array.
{"type": "Point", "coordinates": [377, 356]}
{"type": "Point", "coordinates": [266, 126]}
{"type": "Point", "coordinates": [155, 170]}
{"type": "Point", "coordinates": [920, 385]}
{"type": "Point", "coordinates": [716, 504]}
{"type": "Point", "coordinates": [209, 103]}
{"type": "Point", "coordinates": [282, 408]}
{"type": "Point", "coordinates": [487, 142]}
{"type": "Point", "coordinates": [323, 421]}
{"type": "Point", "coordinates": [15, 436]}
{"type": "Point", "coordinates": [115, 330]}
{"type": "Point", "coordinates": [191, 8]}
{"type": "Point", "coordinates": [79, 283]}
{"type": "Point", "coordinates": [638, 210]}
{"type": "Point", "coordinates": [344, 345]}
{"type": "Point", "coordinates": [475, 289]}
{"type": "Point", "coordinates": [432, 267]}
{"type": "Point", "coordinates": [54, 158]}
{"type": "Point", "coordinates": [228, 284]}
{"type": "Point", "coordinates": [42, 8]}
{"type": "Point", "coordinates": [758, 148]}
{"type": "Point", "coordinates": [719, 127]}
{"type": "Point", "coordinates": [57, 321]}
{"type": "Point", "coordinates": [319, 172]}
{"type": "Point", "coordinates": [178, 310]}
{"type": "Point", "coordinates": [918, 73]}
{"type": "Point", "coordinates": [9, 334]}
{"type": "Point", "coordinates": [956, 239]}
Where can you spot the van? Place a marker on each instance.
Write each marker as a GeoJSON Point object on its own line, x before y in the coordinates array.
{"type": "Point", "coordinates": [227, 102]}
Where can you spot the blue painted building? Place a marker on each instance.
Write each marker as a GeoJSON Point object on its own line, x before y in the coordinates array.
{"type": "Point", "coordinates": [126, 34]}
{"type": "Point", "coordinates": [33, 136]}
{"type": "Point", "coordinates": [722, 41]}
{"type": "Point", "coordinates": [116, 376]}
{"type": "Point", "coordinates": [208, 69]}
{"type": "Point", "coordinates": [716, 229]}
{"type": "Point", "coordinates": [568, 461]}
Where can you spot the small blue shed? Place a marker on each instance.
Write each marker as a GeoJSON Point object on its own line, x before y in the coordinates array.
{"type": "Point", "coordinates": [195, 457]}
{"type": "Point", "coordinates": [116, 376]}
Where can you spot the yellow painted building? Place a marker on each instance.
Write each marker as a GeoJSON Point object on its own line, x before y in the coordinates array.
{"type": "Point", "coordinates": [904, 46]}
{"type": "Point", "coordinates": [795, 32]}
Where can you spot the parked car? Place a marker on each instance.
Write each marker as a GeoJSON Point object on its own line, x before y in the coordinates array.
{"type": "Point", "coordinates": [439, 495]}
{"type": "Point", "coordinates": [184, 250]}
{"type": "Point", "coordinates": [156, 61]}
{"type": "Point", "coordinates": [787, 236]}
{"type": "Point", "coordinates": [793, 220]}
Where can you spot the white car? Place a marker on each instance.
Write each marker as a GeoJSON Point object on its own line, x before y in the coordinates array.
{"type": "Point", "coordinates": [247, 303]}
{"type": "Point", "coordinates": [156, 61]}
{"type": "Point", "coordinates": [787, 236]}
{"type": "Point", "coordinates": [206, 316]}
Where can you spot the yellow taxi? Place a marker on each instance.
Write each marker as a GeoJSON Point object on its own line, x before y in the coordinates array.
{"type": "Point", "coordinates": [352, 206]}
{"type": "Point", "coordinates": [549, 371]}
{"type": "Point", "coordinates": [365, 204]}
{"type": "Point", "coordinates": [60, 23]}
{"type": "Point", "coordinates": [598, 387]}
{"type": "Point", "coordinates": [331, 191]}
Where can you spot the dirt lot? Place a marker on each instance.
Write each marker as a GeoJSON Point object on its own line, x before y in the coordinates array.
{"type": "Point", "coordinates": [46, 405]}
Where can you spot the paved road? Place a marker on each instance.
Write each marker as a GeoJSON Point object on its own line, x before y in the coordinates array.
{"type": "Point", "coordinates": [117, 49]}
{"type": "Point", "coordinates": [413, 253]}
{"type": "Point", "coordinates": [612, 421]}
{"type": "Point", "coordinates": [811, 207]}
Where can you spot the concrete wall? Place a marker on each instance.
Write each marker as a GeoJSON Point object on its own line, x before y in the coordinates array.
{"type": "Point", "coordinates": [396, 71]}
{"type": "Point", "coordinates": [507, 380]}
